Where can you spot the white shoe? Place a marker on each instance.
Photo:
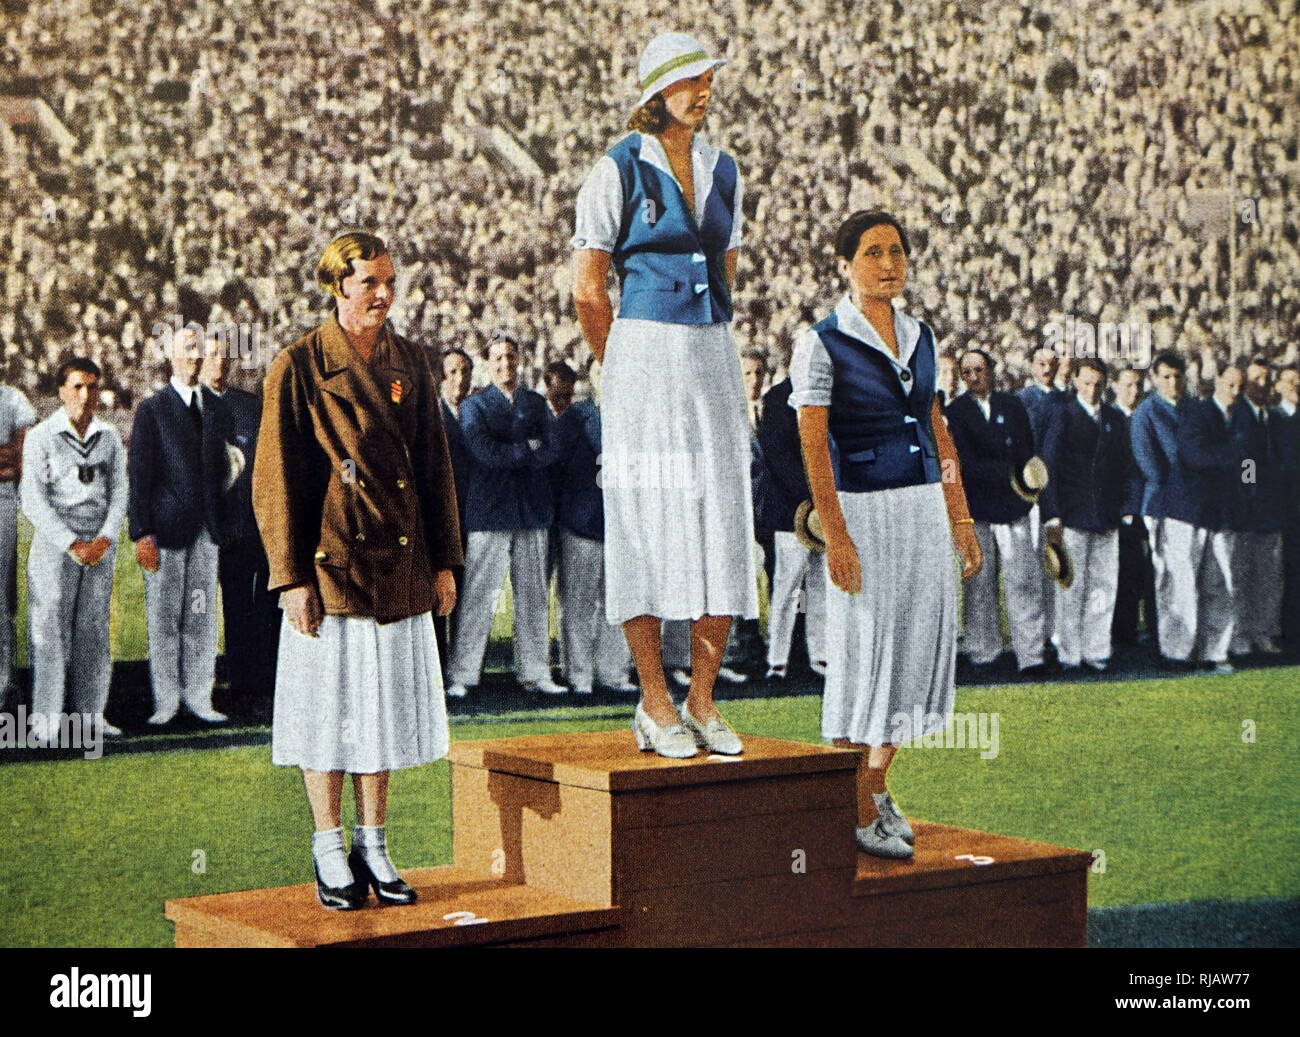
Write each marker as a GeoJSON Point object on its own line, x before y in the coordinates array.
{"type": "Point", "coordinates": [208, 715]}
{"type": "Point", "coordinates": [457, 691]}
{"type": "Point", "coordinates": [674, 741]}
{"type": "Point", "coordinates": [681, 678]}
{"type": "Point", "coordinates": [162, 717]}
{"type": "Point", "coordinates": [716, 735]}
{"type": "Point", "coordinates": [731, 676]}
{"type": "Point", "coordinates": [108, 730]}
{"type": "Point", "coordinates": [893, 822]}
{"type": "Point", "coordinates": [818, 668]}
{"type": "Point", "coordinates": [876, 841]}
{"type": "Point", "coordinates": [546, 686]}
{"type": "Point", "coordinates": [624, 685]}
{"type": "Point", "coordinates": [581, 689]}
{"type": "Point", "coordinates": [1268, 646]}
{"type": "Point", "coordinates": [775, 673]}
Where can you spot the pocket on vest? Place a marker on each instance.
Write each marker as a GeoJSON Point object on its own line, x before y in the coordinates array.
{"type": "Point", "coordinates": [883, 465]}
{"type": "Point", "coordinates": [646, 284]}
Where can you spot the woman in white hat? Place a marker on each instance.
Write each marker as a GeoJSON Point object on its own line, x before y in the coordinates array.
{"type": "Point", "coordinates": [887, 487]}
{"type": "Point", "coordinates": [665, 207]}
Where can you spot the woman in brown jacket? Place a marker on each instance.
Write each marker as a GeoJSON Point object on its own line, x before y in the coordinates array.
{"type": "Point", "coordinates": [354, 498]}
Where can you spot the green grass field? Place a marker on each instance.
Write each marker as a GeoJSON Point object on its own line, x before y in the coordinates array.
{"type": "Point", "coordinates": [1155, 774]}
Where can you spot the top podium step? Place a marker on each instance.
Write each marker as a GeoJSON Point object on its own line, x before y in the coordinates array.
{"type": "Point", "coordinates": [609, 761]}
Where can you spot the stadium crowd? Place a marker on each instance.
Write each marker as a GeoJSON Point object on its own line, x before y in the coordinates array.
{"type": "Point", "coordinates": [220, 144]}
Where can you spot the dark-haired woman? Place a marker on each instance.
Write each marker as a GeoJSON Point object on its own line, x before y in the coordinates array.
{"type": "Point", "coordinates": [887, 487]}
{"type": "Point", "coordinates": [665, 207]}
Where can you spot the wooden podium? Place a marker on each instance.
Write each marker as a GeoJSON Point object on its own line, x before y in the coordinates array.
{"type": "Point", "coordinates": [581, 840]}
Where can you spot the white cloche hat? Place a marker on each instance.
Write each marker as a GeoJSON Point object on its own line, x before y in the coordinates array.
{"type": "Point", "coordinates": [669, 58]}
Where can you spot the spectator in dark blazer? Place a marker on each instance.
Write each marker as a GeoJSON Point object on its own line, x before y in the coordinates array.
{"type": "Point", "coordinates": [1043, 393]}
{"type": "Point", "coordinates": [560, 380]}
{"type": "Point", "coordinates": [456, 370]}
{"type": "Point", "coordinates": [1288, 391]}
{"type": "Point", "coordinates": [509, 509]}
{"type": "Point", "coordinates": [251, 612]}
{"type": "Point", "coordinates": [1182, 445]}
{"type": "Point", "coordinates": [994, 439]}
{"type": "Point", "coordinates": [178, 465]}
{"type": "Point", "coordinates": [800, 574]}
{"type": "Point", "coordinates": [1091, 490]}
{"type": "Point", "coordinates": [1136, 595]}
{"type": "Point", "coordinates": [595, 651]}
{"type": "Point", "coordinates": [1260, 517]}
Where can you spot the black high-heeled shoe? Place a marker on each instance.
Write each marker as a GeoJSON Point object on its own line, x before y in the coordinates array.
{"type": "Point", "coordinates": [341, 898]}
{"type": "Point", "coordinates": [395, 893]}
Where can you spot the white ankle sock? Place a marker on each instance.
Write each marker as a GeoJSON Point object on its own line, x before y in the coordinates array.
{"type": "Point", "coordinates": [370, 843]}
{"type": "Point", "coordinates": [331, 862]}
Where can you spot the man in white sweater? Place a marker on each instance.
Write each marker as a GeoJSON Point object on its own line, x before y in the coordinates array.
{"type": "Point", "coordinates": [74, 492]}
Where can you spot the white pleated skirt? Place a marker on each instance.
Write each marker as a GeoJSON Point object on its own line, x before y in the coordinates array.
{"type": "Point", "coordinates": [675, 457]}
{"type": "Point", "coordinates": [892, 648]}
{"type": "Point", "coordinates": [362, 697]}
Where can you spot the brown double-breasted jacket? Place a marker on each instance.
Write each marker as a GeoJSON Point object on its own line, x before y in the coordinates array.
{"type": "Point", "coordinates": [352, 486]}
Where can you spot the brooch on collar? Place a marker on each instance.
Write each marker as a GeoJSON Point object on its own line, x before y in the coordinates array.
{"type": "Point", "coordinates": [395, 390]}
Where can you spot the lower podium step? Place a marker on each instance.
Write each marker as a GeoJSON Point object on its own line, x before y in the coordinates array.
{"type": "Point", "coordinates": [457, 908]}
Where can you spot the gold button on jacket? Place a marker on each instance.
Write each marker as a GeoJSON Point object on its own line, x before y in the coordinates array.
{"type": "Point", "coordinates": [334, 449]}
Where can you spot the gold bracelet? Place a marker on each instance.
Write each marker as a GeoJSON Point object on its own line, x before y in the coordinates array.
{"type": "Point", "coordinates": [958, 522]}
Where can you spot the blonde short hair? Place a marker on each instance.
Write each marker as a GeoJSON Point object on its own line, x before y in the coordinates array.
{"type": "Point", "coordinates": [651, 117]}
{"type": "Point", "coordinates": [335, 264]}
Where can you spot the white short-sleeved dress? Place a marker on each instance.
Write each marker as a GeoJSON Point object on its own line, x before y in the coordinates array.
{"type": "Point", "coordinates": [675, 450]}
{"type": "Point", "coordinates": [892, 647]}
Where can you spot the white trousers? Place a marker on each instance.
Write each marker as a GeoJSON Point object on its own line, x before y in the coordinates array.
{"type": "Point", "coordinates": [593, 648]}
{"type": "Point", "coordinates": [797, 569]}
{"type": "Point", "coordinates": [487, 557]}
{"type": "Point", "coordinates": [1257, 579]}
{"type": "Point", "coordinates": [8, 561]}
{"type": "Point", "coordinates": [68, 608]}
{"type": "Point", "coordinates": [1008, 548]}
{"type": "Point", "coordinates": [1084, 612]}
{"type": "Point", "coordinates": [181, 613]}
{"type": "Point", "coordinates": [1193, 576]}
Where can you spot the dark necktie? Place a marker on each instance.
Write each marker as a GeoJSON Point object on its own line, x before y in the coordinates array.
{"type": "Point", "coordinates": [196, 415]}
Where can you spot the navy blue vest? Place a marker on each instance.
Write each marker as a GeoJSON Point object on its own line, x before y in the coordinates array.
{"type": "Point", "coordinates": [670, 269]}
{"type": "Point", "coordinates": [880, 435]}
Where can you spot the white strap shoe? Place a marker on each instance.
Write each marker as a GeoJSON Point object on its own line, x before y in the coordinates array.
{"type": "Point", "coordinates": [716, 735]}
{"type": "Point", "coordinates": [876, 841]}
{"type": "Point", "coordinates": [893, 822]}
{"type": "Point", "coordinates": [673, 741]}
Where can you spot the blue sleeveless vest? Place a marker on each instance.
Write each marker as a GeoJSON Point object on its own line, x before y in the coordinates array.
{"type": "Point", "coordinates": [881, 437]}
{"type": "Point", "coordinates": [669, 268]}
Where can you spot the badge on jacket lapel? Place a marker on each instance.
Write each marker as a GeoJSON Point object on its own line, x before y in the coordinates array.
{"type": "Point", "coordinates": [395, 390]}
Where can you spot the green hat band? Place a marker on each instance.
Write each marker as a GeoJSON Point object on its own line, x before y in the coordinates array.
{"type": "Point", "coordinates": [668, 66]}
